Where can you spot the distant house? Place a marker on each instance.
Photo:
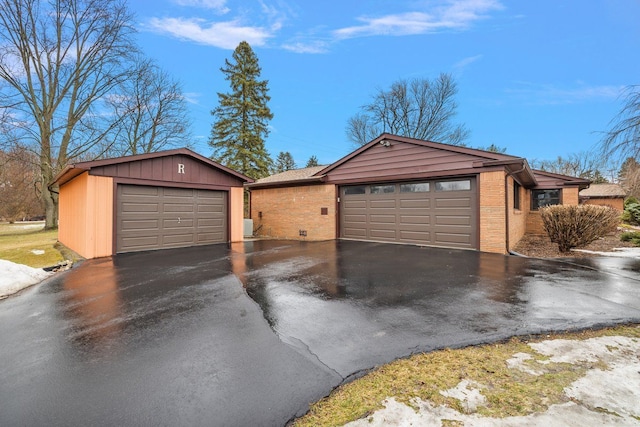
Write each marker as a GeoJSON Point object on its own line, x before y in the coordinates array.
{"type": "Point", "coordinates": [604, 194]}
{"type": "Point", "coordinates": [404, 190]}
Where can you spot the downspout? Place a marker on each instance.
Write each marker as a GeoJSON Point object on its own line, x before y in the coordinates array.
{"type": "Point", "coordinates": [506, 211]}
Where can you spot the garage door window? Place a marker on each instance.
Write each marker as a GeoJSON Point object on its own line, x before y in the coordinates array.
{"type": "Point", "coordinates": [461, 185]}
{"type": "Point", "coordinates": [356, 189]}
{"type": "Point", "coordinates": [417, 187]}
{"type": "Point", "coordinates": [383, 189]}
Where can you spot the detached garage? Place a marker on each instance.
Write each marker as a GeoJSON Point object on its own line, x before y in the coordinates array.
{"type": "Point", "coordinates": [161, 200]}
{"type": "Point", "coordinates": [404, 190]}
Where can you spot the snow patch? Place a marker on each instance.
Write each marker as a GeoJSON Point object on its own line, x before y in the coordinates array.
{"type": "Point", "coordinates": [468, 393]}
{"type": "Point", "coordinates": [16, 277]}
{"type": "Point", "coordinates": [37, 251]}
{"type": "Point", "coordinates": [602, 397]}
{"type": "Point", "coordinates": [617, 252]}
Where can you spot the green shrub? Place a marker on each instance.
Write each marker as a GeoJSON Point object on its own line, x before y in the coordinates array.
{"type": "Point", "coordinates": [575, 226]}
{"type": "Point", "coordinates": [631, 213]}
{"type": "Point", "coordinates": [631, 236]}
{"type": "Point", "coordinates": [629, 200]}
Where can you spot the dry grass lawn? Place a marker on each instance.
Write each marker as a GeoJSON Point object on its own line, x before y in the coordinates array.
{"type": "Point", "coordinates": [28, 244]}
{"type": "Point", "coordinates": [508, 392]}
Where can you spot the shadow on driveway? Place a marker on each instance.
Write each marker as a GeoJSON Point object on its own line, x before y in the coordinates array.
{"type": "Point", "coordinates": [186, 337]}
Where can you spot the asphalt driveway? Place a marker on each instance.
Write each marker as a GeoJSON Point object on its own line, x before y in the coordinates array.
{"type": "Point", "coordinates": [251, 333]}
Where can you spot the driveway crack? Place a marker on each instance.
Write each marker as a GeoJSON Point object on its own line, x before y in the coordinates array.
{"type": "Point", "coordinates": [302, 348]}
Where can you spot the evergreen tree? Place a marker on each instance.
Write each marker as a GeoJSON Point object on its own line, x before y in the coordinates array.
{"type": "Point", "coordinates": [495, 149]}
{"type": "Point", "coordinates": [313, 161]}
{"type": "Point", "coordinates": [240, 127]}
{"type": "Point", "coordinates": [284, 162]}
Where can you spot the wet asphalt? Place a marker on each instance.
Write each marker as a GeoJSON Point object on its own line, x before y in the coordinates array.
{"type": "Point", "coordinates": [251, 333]}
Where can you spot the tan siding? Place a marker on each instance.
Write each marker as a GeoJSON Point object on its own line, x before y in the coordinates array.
{"type": "Point", "coordinates": [86, 215]}
{"type": "Point", "coordinates": [492, 212]}
{"type": "Point", "coordinates": [72, 216]}
{"type": "Point", "coordinates": [286, 211]}
{"type": "Point", "coordinates": [236, 215]}
{"type": "Point", "coordinates": [100, 216]}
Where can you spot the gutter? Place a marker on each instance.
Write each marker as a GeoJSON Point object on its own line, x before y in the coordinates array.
{"type": "Point", "coordinates": [275, 184]}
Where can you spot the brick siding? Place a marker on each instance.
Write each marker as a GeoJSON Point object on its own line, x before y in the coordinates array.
{"type": "Point", "coordinates": [614, 203]}
{"type": "Point", "coordinates": [492, 212]}
{"type": "Point", "coordinates": [517, 217]}
{"type": "Point", "coordinates": [286, 211]}
{"type": "Point", "coordinates": [534, 221]}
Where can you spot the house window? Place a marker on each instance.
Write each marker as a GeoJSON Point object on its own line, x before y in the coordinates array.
{"type": "Point", "coordinates": [516, 195]}
{"type": "Point", "coordinates": [541, 198]}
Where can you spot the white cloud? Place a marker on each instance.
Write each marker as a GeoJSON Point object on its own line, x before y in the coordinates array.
{"type": "Point", "coordinates": [192, 97]}
{"type": "Point", "coordinates": [218, 5]}
{"type": "Point", "coordinates": [464, 63]}
{"type": "Point", "coordinates": [451, 15]}
{"type": "Point", "coordinates": [550, 94]}
{"type": "Point", "coordinates": [224, 35]}
{"type": "Point", "coordinates": [307, 47]}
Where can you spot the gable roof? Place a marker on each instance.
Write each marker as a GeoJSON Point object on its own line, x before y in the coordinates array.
{"type": "Point", "coordinates": [467, 161]}
{"type": "Point", "coordinates": [609, 191]}
{"type": "Point", "coordinates": [73, 170]}
{"type": "Point", "coordinates": [517, 166]}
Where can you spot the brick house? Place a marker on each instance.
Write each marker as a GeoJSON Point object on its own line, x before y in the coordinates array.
{"type": "Point", "coordinates": [404, 190]}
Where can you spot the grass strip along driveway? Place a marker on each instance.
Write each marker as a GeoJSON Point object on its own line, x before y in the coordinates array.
{"type": "Point", "coordinates": [506, 392]}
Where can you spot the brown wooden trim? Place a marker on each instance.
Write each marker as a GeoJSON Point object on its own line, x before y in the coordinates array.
{"type": "Point", "coordinates": [154, 183]}
{"type": "Point", "coordinates": [336, 196]}
{"type": "Point", "coordinates": [414, 177]}
{"type": "Point", "coordinates": [179, 151]}
{"type": "Point", "coordinates": [115, 218]}
{"type": "Point", "coordinates": [292, 183]}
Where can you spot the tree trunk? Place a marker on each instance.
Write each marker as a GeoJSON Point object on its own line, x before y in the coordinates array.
{"type": "Point", "coordinates": [51, 210]}
{"type": "Point", "coordinates": [50, 200]}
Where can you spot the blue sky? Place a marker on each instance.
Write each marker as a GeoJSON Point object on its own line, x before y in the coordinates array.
{"type": "Point", "coordinates": [540, 78]}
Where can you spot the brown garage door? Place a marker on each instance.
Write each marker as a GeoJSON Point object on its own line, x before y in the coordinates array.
{"type": "Point", "coordinates": [435, 212]}
{"type": "Point", "coordinates": [163, 217]}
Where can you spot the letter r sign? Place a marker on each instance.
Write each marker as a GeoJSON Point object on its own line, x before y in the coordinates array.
{"type": "Point", "coordinates": [180, 168]}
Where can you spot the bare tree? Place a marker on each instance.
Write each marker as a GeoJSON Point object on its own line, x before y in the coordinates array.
{"type": "Point", "coordinates": [150, 111]}
{"type": "Point", "coordinates": [20, 185]}
{"type": "Point", "coordinates": [585, 165]}
{"type": "Point", "coordinates": [629, 176]}
{"type": "Point", "coordinates": [419, 108]}
{"type": "Point", "coordinates": [59, 59]}
{"type": "Point", "coordinates": [623, 140]}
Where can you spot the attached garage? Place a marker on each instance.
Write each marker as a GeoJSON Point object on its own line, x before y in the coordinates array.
{"type": "Point", "coordinates": [404, 190]}
{"type": "Point", "coordinates": [430, 212]}
{"type": "Point", "coordinates": [162, 200]}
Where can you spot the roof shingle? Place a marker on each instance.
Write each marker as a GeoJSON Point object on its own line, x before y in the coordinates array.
{"type": "Point", "coordinates": [603, 190]}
